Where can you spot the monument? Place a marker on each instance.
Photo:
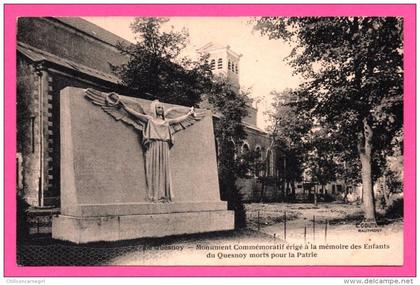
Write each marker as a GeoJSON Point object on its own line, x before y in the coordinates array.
{"type": "Point", "coordinates": [133, 168]}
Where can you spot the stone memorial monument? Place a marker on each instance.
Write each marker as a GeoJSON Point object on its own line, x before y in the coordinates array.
{"type": "Point", "coordinates": [133, 168]}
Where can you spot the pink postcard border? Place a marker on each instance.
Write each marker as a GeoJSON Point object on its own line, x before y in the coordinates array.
{"type": "Point", "coordinates": [12, 11]}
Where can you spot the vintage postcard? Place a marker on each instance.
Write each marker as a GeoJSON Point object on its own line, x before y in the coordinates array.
{"type": "Point", "coordinates": [228, 137]}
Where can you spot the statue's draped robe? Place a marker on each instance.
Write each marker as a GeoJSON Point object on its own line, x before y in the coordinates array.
{"type": "Point", "coordinates": [157, 140]}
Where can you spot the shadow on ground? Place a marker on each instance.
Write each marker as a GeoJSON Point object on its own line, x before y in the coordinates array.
{"type": "Point", "coordinates": [45, 251]}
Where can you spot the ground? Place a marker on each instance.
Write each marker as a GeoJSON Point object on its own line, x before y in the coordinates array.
{"type": "Point", "coordinates": [326, 220]}
{"type": "Point", "coordinates": [332, 224]}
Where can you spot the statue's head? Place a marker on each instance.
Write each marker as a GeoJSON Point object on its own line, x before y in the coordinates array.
{"type": "Point", "coordinates": [157, 109]}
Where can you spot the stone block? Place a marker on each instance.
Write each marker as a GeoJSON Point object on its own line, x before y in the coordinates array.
{"type": "Point", "coordinates": [115, 228]}
{"type": "Point", "coordinates": [103, 177]}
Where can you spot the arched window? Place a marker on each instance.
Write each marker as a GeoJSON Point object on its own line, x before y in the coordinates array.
{"type": "Point", "coordinates": [231, 149]}
{"type": "Point", "coordinates": [258, 158]}
{"type": "Point", "coordinates": [233, 67]}
{"type": "Point", "coordinates": [219, 63]}
{"type": "Point", "coordinates": [258, 152]}
{"type": "Point", "coordinates": [213, 64]}
{"type": "Point", "coordinates": [245, 160]}
{"type": "Point", "coordinates": [236, 69]}
{"type": "Point", "coordinates": [245, 148]}
{"type": "Point", "coordinates": [229, 65]}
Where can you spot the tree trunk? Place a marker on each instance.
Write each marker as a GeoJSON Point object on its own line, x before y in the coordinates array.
{"type": "Point", "coordinates": [277, 186]}
{"type": "Point", "coordinates": [262, 190]}
{"type": "Point", "coordinates": [346, 191]}
{"type": "Point", "coordinates": [385, 190]}
{"type": "Point", "coordinates": [365, 154]}
{"type": "Point", "coordinates": [282, 188]}
{"type": "Point", "coordinates": [286, 189]}
{"type": "Point", "coordinates": [293, 190]}
{"type": "Point", "coordinates": [315, 196]}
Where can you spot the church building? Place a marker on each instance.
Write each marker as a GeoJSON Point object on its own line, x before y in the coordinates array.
{"type": "Point", "coordinates": [225, 62]}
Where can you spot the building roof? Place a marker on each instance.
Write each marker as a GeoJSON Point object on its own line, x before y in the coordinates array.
{"type": "Point", "coordinates": [246, 125]}
{"type": "Point", "coordinates": [37, 55]}
{"type": "Point", "coordinates": [254, 128]}
{"type": "Point", "coordinates": [211, 46]}
{"type": "Point", "coordinates": [92, 30]}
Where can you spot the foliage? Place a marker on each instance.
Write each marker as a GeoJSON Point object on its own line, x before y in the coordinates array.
{"type": "Point", "coordinates": [395, 209]}
{"type": "Point", "coordinates": [289, 126]}
{"type": "Point", "coordinates": [249, 163]}
{"type": "Point", "coordinates": [22, 225]}
{"type": "Point", "coordinates": [320, 161]}
{"type": "Point", "coordinates": [352, 68]}
{"type": "Point", "coordinates": [154, 69]}
{"type": "Point", "coordinates": [353, 71]}
{"type": "Point", "coordinates": [230, 108]}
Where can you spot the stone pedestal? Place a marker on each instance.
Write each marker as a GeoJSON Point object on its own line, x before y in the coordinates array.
{"type": "Point", "coordinates": [114, 228]}
{"type": "Point", "coordinates": [103, 189]}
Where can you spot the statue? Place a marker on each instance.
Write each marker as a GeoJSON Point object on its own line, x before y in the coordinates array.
{"type": "Point", "coordinates": [157, 129]}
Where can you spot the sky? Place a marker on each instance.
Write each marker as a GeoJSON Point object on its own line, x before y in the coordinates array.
{"type": "Point", "coordinates": [262, 66]}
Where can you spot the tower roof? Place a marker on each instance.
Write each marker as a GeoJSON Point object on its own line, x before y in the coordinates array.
{"type": "Point", "coordinates": [211, 46]}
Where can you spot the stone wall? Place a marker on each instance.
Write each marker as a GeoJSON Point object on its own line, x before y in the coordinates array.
{"type": "Point", "coordinates": [251, 118]}
{"type": "Point", "coordinates": [251, 190]}
{"type": "Point", "coordinates": [28, 130]}
{"type": "Point", "coordinates": [54, 36]}
{"type": "Point", "coordinates": [102, 159]}
{"type": "Point", "coordinates": [103, 184]}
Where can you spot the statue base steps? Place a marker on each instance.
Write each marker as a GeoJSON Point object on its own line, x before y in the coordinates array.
{"type": "Point", "coordinates": [123, 227]}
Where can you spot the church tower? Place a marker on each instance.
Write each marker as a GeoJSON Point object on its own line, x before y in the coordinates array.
{"type": "Point", "coordinates": [223, 61]}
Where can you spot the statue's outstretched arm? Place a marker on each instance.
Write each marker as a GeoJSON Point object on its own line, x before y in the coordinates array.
{"type": "Point", "coordinates": [112, 104]}
{"type": "Point", "coordinates": [140, 116]}
{"type": "Point", "coordinates": [181, 118]}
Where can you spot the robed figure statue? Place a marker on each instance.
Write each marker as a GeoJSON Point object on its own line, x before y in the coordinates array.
{"type": "Point", "coordinates": [157, 128]}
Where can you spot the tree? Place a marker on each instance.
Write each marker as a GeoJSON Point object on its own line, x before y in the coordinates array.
{"type": "Point", "coordinates": [320, 159]}
{"type": "Point", "coordinates": [352, 68]}
{"type": "Point", "coordinates": [155, 69]}
{"type": "Point", "coordinates": [230, 109]}
{"type": "Point", "coordinates": [289, 126]}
